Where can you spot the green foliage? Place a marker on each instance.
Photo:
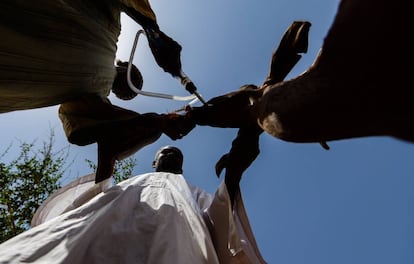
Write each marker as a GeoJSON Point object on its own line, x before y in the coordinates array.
{"type": "Point", "coordinates": [123, 169]}
{"type": "Point", "coordinates": [26, 182]}
{"type": "Point", "coordinates": [31, 177]}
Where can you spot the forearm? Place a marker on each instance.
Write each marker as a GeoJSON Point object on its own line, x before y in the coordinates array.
{"type": "Point", "coordinates": [147, 23]}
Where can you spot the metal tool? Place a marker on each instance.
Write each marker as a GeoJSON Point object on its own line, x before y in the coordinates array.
{"type": "Point", "coordinates": [189, 86]}
{"type": "Point", "coordinates": [184, 79]}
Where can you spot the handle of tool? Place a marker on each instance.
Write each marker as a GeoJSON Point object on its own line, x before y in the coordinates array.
{"type": "Point", "coordinates": [189, 86]}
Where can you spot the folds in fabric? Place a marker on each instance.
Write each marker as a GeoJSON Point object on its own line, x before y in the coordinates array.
{"type": "Point", "coordinates": [55, 51]}
{"type": "Point", "coordinates": [151, 218]}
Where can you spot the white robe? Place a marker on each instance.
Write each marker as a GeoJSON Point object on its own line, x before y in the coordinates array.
{"type": "Point", "coordinates": [152, 218]}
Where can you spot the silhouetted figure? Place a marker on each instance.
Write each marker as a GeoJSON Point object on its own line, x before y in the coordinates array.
{"type": "Point", "coordinates": [63, 52]}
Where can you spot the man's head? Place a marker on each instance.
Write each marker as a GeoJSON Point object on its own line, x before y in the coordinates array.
{"type": "Point", "coordinates": [120, 85]}
{"type": "Point", "coordinates": [168, 159]}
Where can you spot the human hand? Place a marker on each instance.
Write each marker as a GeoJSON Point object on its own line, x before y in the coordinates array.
{"type": "Point", "coordinates": [176, 126]}
{"type": "Point", "coordinates": [166, 51]}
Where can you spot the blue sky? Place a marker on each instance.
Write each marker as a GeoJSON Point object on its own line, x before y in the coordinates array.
{"type": "Point", "coordinates": [351, 204]}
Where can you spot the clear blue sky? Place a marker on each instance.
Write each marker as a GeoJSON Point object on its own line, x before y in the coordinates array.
{"type": "Point", "coordinates": [351, 204]}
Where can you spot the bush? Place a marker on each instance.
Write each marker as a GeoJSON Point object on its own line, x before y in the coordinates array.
{"type": "Point", "coordinates": [26, 182]}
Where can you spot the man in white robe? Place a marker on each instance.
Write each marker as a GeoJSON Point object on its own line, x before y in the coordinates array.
{"type": "Point", "coordinates": [151, 218]}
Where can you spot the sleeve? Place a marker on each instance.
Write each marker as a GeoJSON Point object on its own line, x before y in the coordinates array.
{"type": "Point", "coordinates": [141, 6]}
{"type": "Point", "coordinates": [230, 230]}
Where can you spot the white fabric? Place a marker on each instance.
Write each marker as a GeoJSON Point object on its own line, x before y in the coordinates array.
{"type": "Point", "coordinates": [230, 230]}
{"type": "Point", "coordinates": [152, 218]}
{"type": "Point", "coordinates": [69, 197]}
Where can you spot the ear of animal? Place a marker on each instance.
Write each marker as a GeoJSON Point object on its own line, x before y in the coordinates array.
{"type": "Point", "coordinates": [294, 42]}
{"type": "Point", "coordinates": [245, 147]}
